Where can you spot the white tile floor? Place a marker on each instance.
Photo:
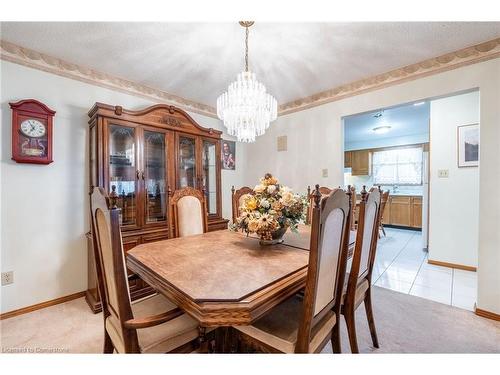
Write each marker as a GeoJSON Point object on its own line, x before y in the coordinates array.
{"type": "Point", "coordinates": [401, 265]}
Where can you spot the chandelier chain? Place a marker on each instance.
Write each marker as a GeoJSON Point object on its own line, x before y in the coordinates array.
{"type": "Point", "coordinates": [246, 48]}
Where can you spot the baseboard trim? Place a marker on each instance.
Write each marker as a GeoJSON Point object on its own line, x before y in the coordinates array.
{"type": "Point", "coordinates": [487, 314]}
{"type": "Point", "coordinates": [41, 305]}
{"type": "Point", "coordinates": [452, 265]}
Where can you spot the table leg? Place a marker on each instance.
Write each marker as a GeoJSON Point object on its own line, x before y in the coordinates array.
{"type": "Point", "coordinates": [202, 339]}
{"type": "Point", "coordinates": [224, 340]}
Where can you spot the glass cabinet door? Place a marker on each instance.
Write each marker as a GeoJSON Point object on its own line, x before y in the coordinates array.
{"type": "Point", "coordinates": [155, 181]}
{"type": "Point", "coordinates": [122, 170]}
{"type": "Point", "coordinates": [209, 175]}
{"type": "Point", "coordinates": [186, 173]}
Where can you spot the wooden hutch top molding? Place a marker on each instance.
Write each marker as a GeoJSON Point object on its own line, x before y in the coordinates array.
{"type": "Point", "coordinates": [160, 115]}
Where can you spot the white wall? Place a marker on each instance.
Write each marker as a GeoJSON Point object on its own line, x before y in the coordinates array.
{"type": "Point", "coordinates": [44, 209]}
{"type": "Point", "coordinates": [315, 142]}
{"type": "Point", "coordinates": [454, 201]}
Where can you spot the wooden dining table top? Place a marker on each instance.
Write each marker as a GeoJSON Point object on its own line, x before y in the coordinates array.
{"type": "Point", "coordinates": [224, 278]}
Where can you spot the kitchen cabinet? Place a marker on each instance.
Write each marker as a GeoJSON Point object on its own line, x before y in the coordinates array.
{"type": "Point", "coordinates": [400, 213]}
{"type": "Point", "coordinates": [404, 211]}
{"type": "Point", "coordinates": [416, 212]}
{"type": "Point", "coordinates": [360, 163]}
{"type": "Point", "coordinates": [347, 159]}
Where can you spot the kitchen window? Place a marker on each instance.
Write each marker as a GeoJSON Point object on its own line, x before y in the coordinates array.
{"type": "Point", "coordinates": [401, 166]}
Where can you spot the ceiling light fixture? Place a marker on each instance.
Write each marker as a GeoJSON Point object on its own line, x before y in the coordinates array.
{"type": "Point", "coordinates": [246, 108]}
{"type": "Point", "coordinates": [382, 129]}
{"type": "Point", "coordinates": [418, 103]}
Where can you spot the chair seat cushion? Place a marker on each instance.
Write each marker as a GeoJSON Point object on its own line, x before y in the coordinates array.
{"type": "Point", "coordinates": [162, 338]}
{"type": "Point", "coordinates": [278, 329]}
{"type": "Point", "coordinates": [361, 288]}
{"type": "Point", "coordinates": [167, 336]}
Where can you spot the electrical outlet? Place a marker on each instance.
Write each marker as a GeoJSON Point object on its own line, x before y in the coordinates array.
{"type": "Point", "coordinates": [7, 278]}
{"type": "Point", "coordinates": [443, 173]}
{"type": "Point", "coordinates": [324, 172]}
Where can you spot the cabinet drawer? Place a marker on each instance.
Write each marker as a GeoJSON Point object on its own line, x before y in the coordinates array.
{"type": "Point", "coordinates": [400, 200]}
{"type": "Point", "coordinates": [155, 237]}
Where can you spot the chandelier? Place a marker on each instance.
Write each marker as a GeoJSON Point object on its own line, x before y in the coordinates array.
{"type": "Point", "coordinates": [246, 108]}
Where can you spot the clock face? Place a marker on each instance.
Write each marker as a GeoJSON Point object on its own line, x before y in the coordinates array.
{"type": "Point", "coordinates": [33, 128]}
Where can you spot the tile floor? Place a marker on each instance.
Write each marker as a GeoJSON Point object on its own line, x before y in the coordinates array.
{"type": "Point", "coordinates": [401, 265]}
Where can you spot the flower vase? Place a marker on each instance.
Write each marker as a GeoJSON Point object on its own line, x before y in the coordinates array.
{"type": "Point", "coordinates": [272, 238]}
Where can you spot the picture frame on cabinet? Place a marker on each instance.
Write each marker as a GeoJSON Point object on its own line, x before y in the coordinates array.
{"type": "Point", "coordinates": [228, 154]}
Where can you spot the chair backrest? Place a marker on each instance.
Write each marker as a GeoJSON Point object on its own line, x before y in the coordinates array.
{"type": "Point", "coordinates": [324, 192]}
{"type": "Point", "coordinates": [111, 271]}
{"type": "Point", "coordinates": [351, 192]}
{"type": "Point", "coordinates": [327, 262]}
{"type": "Point", "coordinates": [366, 238]}
{"type": "Point", "coordinates": [237, 198]}
{"type": "Point", "coordinates": [383, 200]}
{"type": "Point", "coordinates": [188, 212]}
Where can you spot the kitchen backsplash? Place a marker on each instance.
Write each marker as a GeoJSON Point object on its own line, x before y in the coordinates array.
{"type": "Point", "coordinates": [359, 181]}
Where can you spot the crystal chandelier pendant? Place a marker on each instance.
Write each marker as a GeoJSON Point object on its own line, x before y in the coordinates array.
{"type": "Point", "coordinates": [246, 108]}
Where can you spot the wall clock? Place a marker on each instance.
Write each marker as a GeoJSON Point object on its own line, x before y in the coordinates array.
{"type": "Point", "coordinates": [31, 132]}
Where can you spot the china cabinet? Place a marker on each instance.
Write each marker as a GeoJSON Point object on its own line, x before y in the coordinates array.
{"type": "Point", "coordinates": [141, 156]}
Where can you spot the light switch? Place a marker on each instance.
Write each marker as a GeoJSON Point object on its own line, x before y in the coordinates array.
{"type": "Point", "coordinates": [324, 172]}
{"type": "Point", "coordinates": [443, 173]}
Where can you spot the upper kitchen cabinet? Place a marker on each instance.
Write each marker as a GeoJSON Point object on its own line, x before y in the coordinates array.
{"type": "Point", "coordinates": [347, 159]}
{"type": "Point", "coordinates": [360, 162]}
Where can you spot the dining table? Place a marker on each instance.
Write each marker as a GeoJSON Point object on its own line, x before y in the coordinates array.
{"type": "Point", "coordinates": [224, 278]}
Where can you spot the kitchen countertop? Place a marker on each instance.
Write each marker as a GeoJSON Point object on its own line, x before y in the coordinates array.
{"type": "Point", "coordinates": [403, 194]}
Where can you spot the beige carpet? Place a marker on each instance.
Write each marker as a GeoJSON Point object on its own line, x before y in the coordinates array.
{"type": "Point", "coordinates": [405, 324]}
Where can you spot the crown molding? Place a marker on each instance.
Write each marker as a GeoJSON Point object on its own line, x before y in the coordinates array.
{"type": "Point", "coordinates": [34, 59]}
{"type": "Point", "coordinates": [453, 60]}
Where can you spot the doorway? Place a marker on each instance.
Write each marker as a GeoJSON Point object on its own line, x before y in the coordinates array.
{"type": "Point", "coordinates": [404, 149]}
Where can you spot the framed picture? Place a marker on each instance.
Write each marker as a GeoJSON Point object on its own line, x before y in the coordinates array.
{"type": "Point", "coordinates": [468, 145]}
{"type": "Point", "coordinates": [228, 154]}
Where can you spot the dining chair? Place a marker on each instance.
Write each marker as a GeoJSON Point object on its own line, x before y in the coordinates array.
{"type": "Point", "coordinates": [324, 192]}
{"type": "Point", "coordinates": [188, 212]}
{"type": "Point", "coordinates": [357, 288]}
{"type": "Point", "coordinates": [305, 325]}
{"type": "Point", "coordinates": [351, 192]}
{"type": "Point", "coordinates": [237, 198]}
{"type": "Point", "coordinates": [383, 200]}
{"type": "Point", "coordinates": [150, 325]}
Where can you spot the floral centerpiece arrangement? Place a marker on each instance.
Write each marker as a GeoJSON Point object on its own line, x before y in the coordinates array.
{"type": "Point", "coordinates": [270, 211]}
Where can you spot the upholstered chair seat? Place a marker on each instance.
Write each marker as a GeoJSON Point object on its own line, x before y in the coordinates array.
{"type": "Point", "coordinates": [167, 336]}
{"type": "Point", "coordinates": [161, 338]}
{"type": "Point", "coordinates": [361, 288]}
{"type": "Point", "coordinates": [278, 329]}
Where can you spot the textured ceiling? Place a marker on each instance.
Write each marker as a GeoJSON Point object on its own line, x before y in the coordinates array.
{"type": "Point", "coordinates": [198, 60]}
{"type": "Point", "coordinates": [405, 120]}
